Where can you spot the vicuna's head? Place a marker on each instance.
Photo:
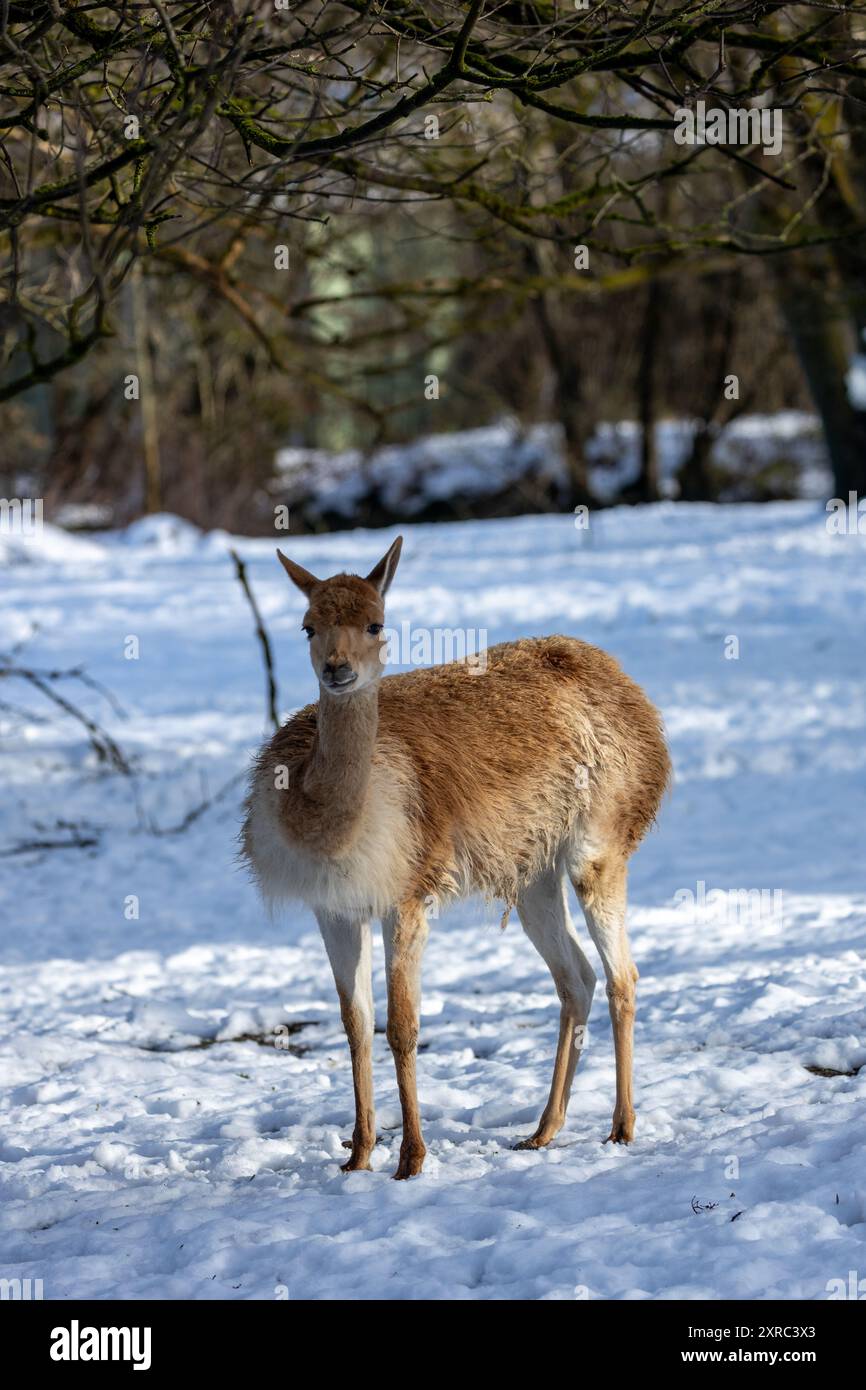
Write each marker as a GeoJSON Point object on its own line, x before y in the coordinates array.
{"type": "Point", "coordinates": [344, 622]}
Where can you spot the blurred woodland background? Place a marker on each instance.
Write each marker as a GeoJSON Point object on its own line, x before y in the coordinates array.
{"type": "Point", "coordinates": [231, 229]}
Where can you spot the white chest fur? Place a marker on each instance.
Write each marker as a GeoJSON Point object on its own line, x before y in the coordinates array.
{"type": "Point", "coordinates": [366, 880]}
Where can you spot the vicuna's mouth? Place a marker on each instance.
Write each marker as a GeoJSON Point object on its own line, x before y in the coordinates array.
{"type": "Point", "coordinates": [344, 682]}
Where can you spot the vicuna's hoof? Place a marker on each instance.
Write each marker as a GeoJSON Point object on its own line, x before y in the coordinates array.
{"type": "Point", "coordinates": [535, 1141]}
{"type": "Point", "coordinates": [622, 1130]}
{"type": "Point", "coordinates": [357, 1163]}
{"type": "Point", "coordinates": [360, 1159]}
{"type": "Point", "coordinates": [411, 1163]}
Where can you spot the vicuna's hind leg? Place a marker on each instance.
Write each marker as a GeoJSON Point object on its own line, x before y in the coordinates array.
{"type": "Point", "coordinates": [601, 888]}
{"type": "Point", "coordinates": [543, 910]}
{"type": "Point", "coordinates": [349, 949]}
{"type": "Point", "coordinates": [405, 933]}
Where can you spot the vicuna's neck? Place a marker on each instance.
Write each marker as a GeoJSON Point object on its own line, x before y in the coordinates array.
{"type": "Point", "coordinates": [338, 768]}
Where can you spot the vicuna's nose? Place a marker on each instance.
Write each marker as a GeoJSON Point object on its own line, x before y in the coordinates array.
{"type": "Point", "coordinates": [337, 672]}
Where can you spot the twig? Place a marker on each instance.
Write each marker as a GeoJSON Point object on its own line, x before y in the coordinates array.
{"type": "Point", "coordinates": [22, 713]}
{"type": "Point", "coordinates": [267, 657]}
{"type": "Point", "coordinates": [72, 673]}
{"type": "Point", "coordinates": [102, 743]}
{"type": "Point", "coordinates": [34, 846]}
{"type": "Point", "coordinates": [193, 815]}
{"type": "Point", "coordinates": [22, 642]}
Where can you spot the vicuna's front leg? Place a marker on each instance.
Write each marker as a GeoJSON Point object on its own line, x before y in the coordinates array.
{"type": "Point", "coordinates": [602, 891]}
{"type": "Point", "coordinates": [349, 950]}
{"type": "Point", "coordinates": [405, 933]}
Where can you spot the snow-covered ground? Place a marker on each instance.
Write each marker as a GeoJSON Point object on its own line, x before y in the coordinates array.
{"type": "Point", "coordinates": [785, 450]}
{"type": "Point", "coordinates": [175, 1085]}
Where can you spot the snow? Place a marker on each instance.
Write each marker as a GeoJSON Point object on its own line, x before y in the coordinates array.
{"type": "Point", "coordinates": [486, 463]}
{"type": "Point", "coordinates": [176, 1086]}
{"type": "Point", "coordinates": [408, 477]}
{"type": "Point", "coordinates": [855, 381]}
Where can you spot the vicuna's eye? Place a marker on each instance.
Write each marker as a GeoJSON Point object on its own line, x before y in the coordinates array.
{"type": "Point", "coordinates": [308, 632]}
{"type": "Point", "coordinates": [374, 629]}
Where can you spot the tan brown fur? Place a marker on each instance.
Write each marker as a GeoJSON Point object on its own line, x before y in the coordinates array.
{"type": "Point", "coordinates": [495, 759]}
{"type": "Point", "coordinates": [364, 1134]}
{"type": "Point", "coordinates": [458, 779]}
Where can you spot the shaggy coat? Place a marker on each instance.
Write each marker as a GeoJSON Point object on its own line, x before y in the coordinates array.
{"type": "Point", "coordinates": [390, 794]}
{"type": "Point", "coordinates": [480, 776]}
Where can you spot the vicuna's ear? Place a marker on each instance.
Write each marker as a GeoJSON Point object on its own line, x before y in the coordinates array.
{"type": "Point", "coordinates": [382, 574]}
{"type": "Point", "coordinates": [298, 575]}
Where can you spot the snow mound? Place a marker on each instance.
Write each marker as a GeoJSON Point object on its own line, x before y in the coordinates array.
{"type": "Point", "coordinates": [47, 544]}
{"type": "Point", "coordinates": [163, 533]}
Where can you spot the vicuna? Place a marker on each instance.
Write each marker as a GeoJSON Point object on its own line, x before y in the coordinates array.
{"type": "Point", "coordinates": [548, 765]}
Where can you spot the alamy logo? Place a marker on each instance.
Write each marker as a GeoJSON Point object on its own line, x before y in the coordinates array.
{"type": "Point", "coordinates": [739, 125]}
{"type": "Point", "coordinates": [424, 646]}
{"type": "Point", "coordinates": [732, 906]}
{"type": "Point", "coordinates": [20, 1289]}
{"type": "Point", "coordinates": [76, 1343]}
{"type": "Point", "coordinates": [20, 516]}
{"type": "Point", "coordinates": [846, 519]}
{"type": "Point", "coordinates": [854, 1288]}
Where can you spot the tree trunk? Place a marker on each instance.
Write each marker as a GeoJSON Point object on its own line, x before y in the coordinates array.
{"type": "Point", "coordinates": [823, 334]}
{"type": "Point", "coordinates": [567, 402]}
{"type": "Point", "coordinates": [821, 293]}
{"type": "Point", "coordinates": [695, 476]}
{"type": "Point", "coordinates": [648, 478]}
{"type": "Point", "coordinates": [147, 396]}
{"type": "Point", "coordinates": [567, 392]}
